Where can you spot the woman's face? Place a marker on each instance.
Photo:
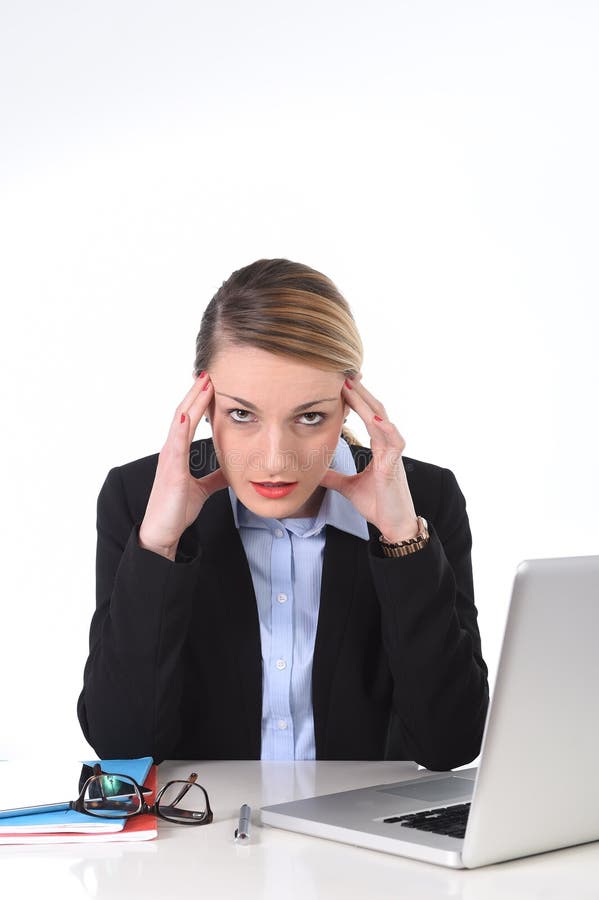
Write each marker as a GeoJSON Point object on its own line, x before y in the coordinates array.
{"type": "Point", "coordinates": [274, 420]}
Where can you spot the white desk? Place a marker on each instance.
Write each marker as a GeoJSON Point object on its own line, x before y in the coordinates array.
{"type": "Point", "coordinates": [204, 863]}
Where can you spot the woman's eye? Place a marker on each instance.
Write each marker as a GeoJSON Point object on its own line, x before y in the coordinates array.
{"type": "Point", "coordinates": [321, 418]}
{"type": "Point", "coordinates": [244, 415]}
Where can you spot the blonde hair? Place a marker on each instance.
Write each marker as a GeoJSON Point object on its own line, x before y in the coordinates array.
{"type": "Point", "coordinates": [285, 308]}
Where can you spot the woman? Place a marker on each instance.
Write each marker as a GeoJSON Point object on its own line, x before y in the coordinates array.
{"type": "Point", "coordinates": [281, 592]}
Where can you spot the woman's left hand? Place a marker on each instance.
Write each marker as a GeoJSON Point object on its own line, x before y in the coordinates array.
{"type": "Point", "coordinates": [380, 492]}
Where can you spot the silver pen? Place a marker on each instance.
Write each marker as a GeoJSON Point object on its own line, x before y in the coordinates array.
{"type": "Point", "coordinates": [242, 832]}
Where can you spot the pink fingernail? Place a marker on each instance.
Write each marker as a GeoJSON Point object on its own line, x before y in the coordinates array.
{"type": "Point", "coordinates": [348, 385]}
{"type": "Point", "coordinates": [377, 419]}
{"type": "Point", "coordinates": [182, 418]}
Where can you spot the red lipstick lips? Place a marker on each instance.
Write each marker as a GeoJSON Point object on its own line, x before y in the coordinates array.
{"type": "Point", "coordinates": [274, 490]}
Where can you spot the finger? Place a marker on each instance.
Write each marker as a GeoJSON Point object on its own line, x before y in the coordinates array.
{"type": "Point", "coordinates": [192, 393]}
{"type": "Point", "coordinates": [363, 407]}
{"type": "Point", "coordinates": [376, 405]}
{"type": "Point", "coordinates": [337, 481]}
{"type": "Point", "coordinates": [174, 456]}
{"type": "Point", "coordinates": [200, 402]}
{"type": "Point", "coordinates": [175, 452]}
{"type": "Point", "coordinates": [214, 481]}
{"type": "Point", "coordinates": [377, 424]}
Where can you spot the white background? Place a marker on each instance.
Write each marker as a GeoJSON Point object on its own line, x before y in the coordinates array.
{"type": "Point", "coordinates": [437, 159]}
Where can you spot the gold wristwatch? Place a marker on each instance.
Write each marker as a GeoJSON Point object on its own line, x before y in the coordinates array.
{"type": "Point", "coordinates": [404, 548]}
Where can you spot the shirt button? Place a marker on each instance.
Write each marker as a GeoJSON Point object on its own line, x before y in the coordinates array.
{"type": "Point", "coordinates": [282, 598]}
{"type": "Point", "coordinates": [279, 532]}
{"type": "Point", "coordinates": [282, 724]}
{"type": "Point", "coordinates": [281, 664]}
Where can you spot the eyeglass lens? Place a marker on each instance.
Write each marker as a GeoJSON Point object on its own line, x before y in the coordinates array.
{"type": "Point", "coordinates": [111, 796]}
{"type": "Point", "coordinates": [182, 801]}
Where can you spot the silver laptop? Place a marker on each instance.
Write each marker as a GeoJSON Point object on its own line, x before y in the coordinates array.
{"type": "Point", "coordinates": [537, 784]}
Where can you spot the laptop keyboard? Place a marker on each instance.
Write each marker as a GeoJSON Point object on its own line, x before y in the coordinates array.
{"type": "Point", "coordinates": [449, 820]}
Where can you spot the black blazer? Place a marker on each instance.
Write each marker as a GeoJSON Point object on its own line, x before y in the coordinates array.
{"type": "Point", "coordinates": [175, 669]}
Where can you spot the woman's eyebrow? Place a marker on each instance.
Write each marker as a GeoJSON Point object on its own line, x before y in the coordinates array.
{"type": "Point", "coordinates": [300, 408]}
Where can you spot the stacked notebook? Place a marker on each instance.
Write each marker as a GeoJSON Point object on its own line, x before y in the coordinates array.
{"type": "Point", "coordinates": [35, 797]}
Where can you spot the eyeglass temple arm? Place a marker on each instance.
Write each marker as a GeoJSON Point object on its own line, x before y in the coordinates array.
{"type": "Point", "coordinates": [191, 780]}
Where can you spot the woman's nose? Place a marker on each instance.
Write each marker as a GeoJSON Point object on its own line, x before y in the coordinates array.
{"type": "Point", "coordinates": [279, 455]}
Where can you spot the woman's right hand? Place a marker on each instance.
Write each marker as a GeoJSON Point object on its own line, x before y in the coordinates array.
{"type": "Point", "coordinates": [177, 497]}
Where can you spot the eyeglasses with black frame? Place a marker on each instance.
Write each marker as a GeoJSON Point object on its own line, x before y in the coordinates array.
{"type": "Point", "coordinates": [108, 795]}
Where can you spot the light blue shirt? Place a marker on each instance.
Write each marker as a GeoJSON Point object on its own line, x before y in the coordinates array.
{"type": "Point", "coordinates": [285, 558]}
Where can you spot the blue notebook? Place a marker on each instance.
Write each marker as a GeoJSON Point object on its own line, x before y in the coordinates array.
{"type": "Point", "coordinates": [34, 796]}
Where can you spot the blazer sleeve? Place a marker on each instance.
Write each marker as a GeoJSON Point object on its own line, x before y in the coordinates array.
{"type": "Point", "coordinates": [131, 698]}
{"type": "Point", "coordinates": [431, 637]}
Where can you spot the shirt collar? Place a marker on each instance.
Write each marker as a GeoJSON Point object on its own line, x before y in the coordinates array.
{"type": "Point", "coordinates": [335, 509]}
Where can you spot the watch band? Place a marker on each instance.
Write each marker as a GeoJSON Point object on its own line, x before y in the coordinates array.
{"type": "Point", "coordinates": [405, 548]}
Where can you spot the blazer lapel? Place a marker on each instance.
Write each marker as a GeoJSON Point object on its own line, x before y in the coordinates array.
{"type": "Point", "coordinates": [341, 553]}
{"type": "Point", "coordinates": [232, 587]}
